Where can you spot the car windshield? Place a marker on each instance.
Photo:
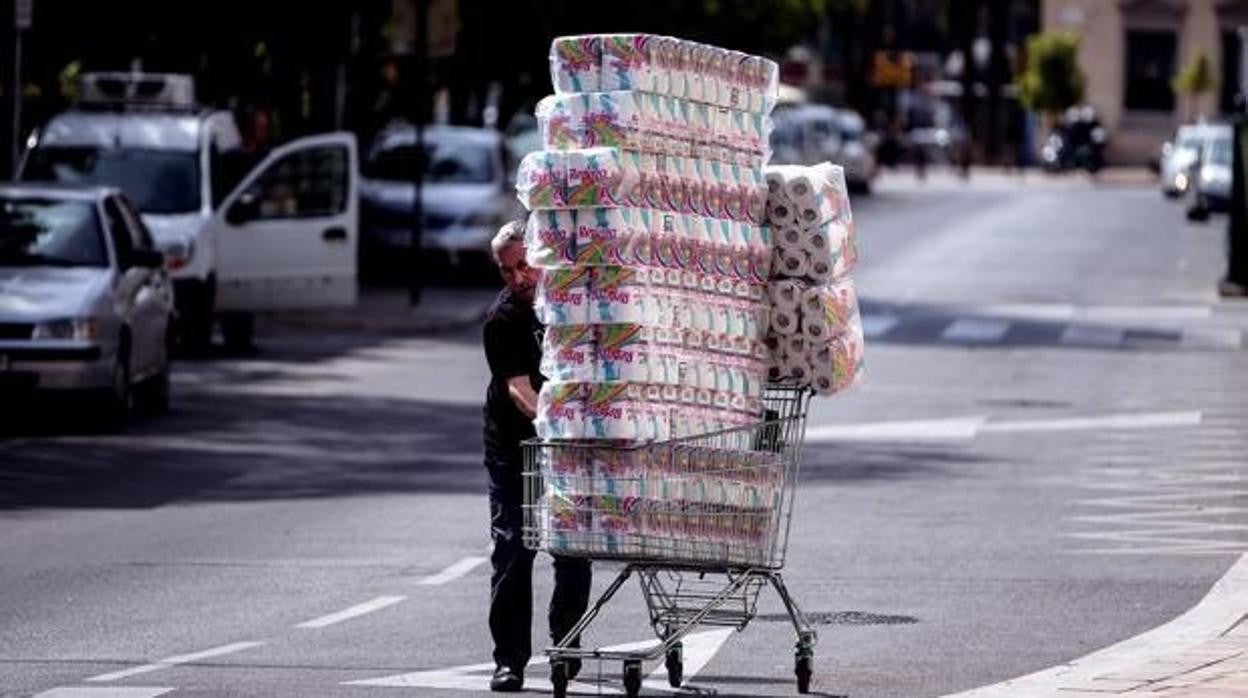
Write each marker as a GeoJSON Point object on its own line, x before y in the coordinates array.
{"type": "Point", "coordinates": [156, 181]}
{"type": "Point", "coordinates": [47, 232]}
{"type": "Point", "coordinates": [1191, 143]}
{"type": "Point", "coordinates": [457, 161]}
{"type": "Point", "coordinates": [1220, 151]}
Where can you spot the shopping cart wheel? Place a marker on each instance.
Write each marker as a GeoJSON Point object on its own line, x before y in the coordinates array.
{"type": "Point", "coordinates": [675, 665]}
{"type": "Point", "coordinates": [559, 677]}
{"type": "Point", "coordinates": [632, 678]}
{"type": "Point", "coordinates": [804, 669]}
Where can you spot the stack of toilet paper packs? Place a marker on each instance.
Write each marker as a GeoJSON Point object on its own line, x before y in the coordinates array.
{"type": "Point", "coordinates": [815, 335]}
{"type": "Point", "coordinates": [647, 217]}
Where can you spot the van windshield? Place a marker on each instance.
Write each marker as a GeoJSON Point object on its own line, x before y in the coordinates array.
{"type": "Point", "coordinates": [157, 181]}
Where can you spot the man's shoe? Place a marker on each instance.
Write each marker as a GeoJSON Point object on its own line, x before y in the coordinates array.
{"type": "Point", "coordinates": [505, 680]}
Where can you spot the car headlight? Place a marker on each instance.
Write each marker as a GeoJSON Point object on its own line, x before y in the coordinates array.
{"type": "Point", "coordinates": [1180, 181]}
{"type": "Point", "coordinates": [75, 328]}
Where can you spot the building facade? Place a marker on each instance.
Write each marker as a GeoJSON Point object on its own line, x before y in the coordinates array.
{"type": "Point", "coordinates": [1132, 49]}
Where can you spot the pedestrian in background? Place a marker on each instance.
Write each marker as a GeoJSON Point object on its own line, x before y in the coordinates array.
{"type": "Point", "coordinates": [513, 349]}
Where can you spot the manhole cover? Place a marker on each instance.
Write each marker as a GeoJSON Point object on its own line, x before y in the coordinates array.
{"type": "Point", "coordinates": [843, 618]}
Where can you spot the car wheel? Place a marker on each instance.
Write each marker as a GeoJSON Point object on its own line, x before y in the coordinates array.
{"type": "Point", "coordinates": [118, 396]}
{"type": "Point", "coordinates": [152, 396]}
{"type": "Point", "coordinates": [239, 332]}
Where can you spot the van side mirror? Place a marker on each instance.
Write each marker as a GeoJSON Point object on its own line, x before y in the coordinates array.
{"type": "Point", "coordinates": [244, 210]}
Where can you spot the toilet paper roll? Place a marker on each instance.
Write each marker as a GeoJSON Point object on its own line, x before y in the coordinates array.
{"type": "Point", "coordinates": [837, 365]}
{"type": "Point", "coordinates": [561, 410]}
{"type": "Point", "coordinates": [793, 264]}
{"type": "Point", "coordinates": [599, 177]}
{"type": "Point", "coordinates": [618, 411]}
{"type": "Point", "coordinates": [623, 352]}
{"type": "Point", "coordinates": [617, 295]}
{"type": "Point", "coordinates": [781, 212]}
{"type": "Point", "coordinates": [626, 62]}
{"type": "Point", "coordinates": [550, 238]}
{"type": "Point", "coordinates": [791, 238]}
{"type": "Point", "coordinates": [785, 322]}
{"type": "Point", "coordinates": [542, 180]}
{"type": "Point", "coordinates": [785, 295]}
{"type": "Point", "coordinates": [569, 353]}
{"type": "Point", "coordinates": [562, 296]}
{"type": "Point", "coordinates": [827, 311]}
{"type": "Point", "coordinates": [576, 63]}
{"type": "Point", "coordinates": [603, 236]}
{"type": "Point", "coordinates": [796, 369]}
{"type": "Point", "coordinates": [561, 121]}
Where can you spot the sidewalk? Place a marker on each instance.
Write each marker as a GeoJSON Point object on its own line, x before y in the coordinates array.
{"type": "Point", "coordinates": [1201, 654]}
{"type": "Point", "coordinates": [387, 311]}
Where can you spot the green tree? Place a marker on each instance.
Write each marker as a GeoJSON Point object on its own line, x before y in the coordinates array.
{"type": "Point", "coordinates": [1195, 80]}
{"type": "Point", "coordinates": [1053, 80]}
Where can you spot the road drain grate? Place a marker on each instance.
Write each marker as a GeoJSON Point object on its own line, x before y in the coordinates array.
{"type": "Point", "coordinates": [843, 618]}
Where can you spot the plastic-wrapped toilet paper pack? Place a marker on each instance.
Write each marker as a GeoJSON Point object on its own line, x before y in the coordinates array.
{"type": "Point", "coordinates": [604, 236]}
{"type": "Point", "coordinates": [836, 365]}
{"type": "Point", "coordinates": [561, 410]}
{"type": "Point", "coordinates": [620, 295]}
{"type": "Point", "coordinates": [600, 177]}
{"type": "Point", "coordinates": [807, 196]}
{"type": "Point", "coordinates": [827, 311]}
{"type": "Point", "coordinates": [550, 238]}
{"type": "Point", "coordinates": [664, 65]}
{"type": "Point", "coordinates": [624, 352]}
{"type": "Point", "coordinates": [542, 180]}
{"type": "Point", "coordinates": [562, 296]}
{"type": "Point", "coordinates": [619, 411]}
{"type": "Point", "coordinates": [570, 353]}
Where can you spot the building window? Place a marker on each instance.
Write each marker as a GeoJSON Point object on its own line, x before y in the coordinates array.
{"type": "Point", "coordinates": [1149, 68]}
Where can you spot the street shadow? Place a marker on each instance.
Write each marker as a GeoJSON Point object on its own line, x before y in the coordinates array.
{"type": "Point", "coordinates": [252, 447]}
{"type": "Point", "coordinates": [849, 462]}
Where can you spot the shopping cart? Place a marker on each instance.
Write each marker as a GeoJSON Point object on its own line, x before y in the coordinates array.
{"type": "Point", "coordinates": [703, 522]}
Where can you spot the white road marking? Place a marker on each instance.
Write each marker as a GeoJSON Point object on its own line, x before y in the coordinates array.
{"type": "Point", "coordinates": [1212, 339]}
{"type": "Point", "coordinates": [966, 428]}
{"type": "Point", "coordinates": [700, 648]}
{"type": "Point", "coordinates": [955, 429]}
{"type": "Point", "coordinates": [975, 330]}
{"type": "Point", "coordinates": [1221, 609]}
{"type": "Point", "coordinates": [1146, 312]}
{"type": "Point", "coordinates": [876, 326]}
{"type": "Point", "coordinates": [1116, 421]}
{"type": "Point", "coordinates": [453, 572]}
{"type": "Point", "coordinates": [127, 692]}
{"type": "Point", "coordinates": [1091, 336]}
{"type": "Point", "coordinates": [174, 661]}
{"type": "Point", "coordinates": [354, 612]}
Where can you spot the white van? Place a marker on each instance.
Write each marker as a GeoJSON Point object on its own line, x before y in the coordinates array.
{"type": "Point", "coordinates": [282, 236]}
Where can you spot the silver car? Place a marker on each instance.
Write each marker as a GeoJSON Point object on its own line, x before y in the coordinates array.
{"type": "Point", "coordinates": [466, 195]}
{"type": "Point", "coordinates": [1179, 157]}
{"type": "Point", "coordinates": [1212, 176]}
{"type": "Point", "coordinates": [85, 303]}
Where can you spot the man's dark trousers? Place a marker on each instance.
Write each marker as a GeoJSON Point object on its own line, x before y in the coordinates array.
{"type": "Point", "coordinates": [511, 596]}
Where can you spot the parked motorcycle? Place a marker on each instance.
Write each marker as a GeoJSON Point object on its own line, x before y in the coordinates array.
{"type": "Point", "coordinates": [1077, 143]}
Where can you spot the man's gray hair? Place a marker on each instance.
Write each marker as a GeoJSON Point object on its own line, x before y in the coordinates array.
{"type": "Point", "coordinates": [512, 231]}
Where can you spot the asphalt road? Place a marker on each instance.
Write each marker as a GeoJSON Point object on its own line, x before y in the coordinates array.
{"type": "Point", "coordinates": [1046, 457]}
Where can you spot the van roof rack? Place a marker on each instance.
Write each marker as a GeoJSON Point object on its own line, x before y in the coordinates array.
{"type": "Point", "coordinates": [136, 91]}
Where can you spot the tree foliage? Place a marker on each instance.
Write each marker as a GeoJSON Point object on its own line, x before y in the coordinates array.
{"type": "Point", "coordinates": [1053, 80]}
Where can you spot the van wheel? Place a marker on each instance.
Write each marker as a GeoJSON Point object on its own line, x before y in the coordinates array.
{"type": "Point", "coordinates": [239, 332]}
{"type": "Point", "coordinates": [152, 396]}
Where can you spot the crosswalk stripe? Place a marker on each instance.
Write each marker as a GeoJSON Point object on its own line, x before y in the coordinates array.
{"type": "Point", "coordinates": [876, 326]}
{"type": "Point", "coordinates": [976, 330]}
{"type": "Point", "coordinates": [1092, 336]}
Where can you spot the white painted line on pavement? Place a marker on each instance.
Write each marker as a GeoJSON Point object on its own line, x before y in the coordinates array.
{"type": "Point", "coordinates": [700, 648]}
{"type": "Point", "coordinates": [876, 326]}
{"type": "Point", "coordinates": [976, 330]}
{"type": "Point", "coordinates": [453, 572]}
{"type": "Point", "coordinates": [127, 692]}
{"type": "Point", "coordinates": [1218, 612]}
{"type": "Point", "coordinates": [354, 612]}
{"type": "Point", "coordinates": [1114, 421]}
{"type": "Point", "coordinates": [1090, 336]}
{"type": "Point", "coordinates": [966, 428]}
{"type": "Point", "coordinates": [955, 429]}
{"type": "Point", "coordinates": [1211, 339]}
{"type": "Point", "coordinates": [1147, 312]}
{"type": "Point", "coordinates": [175, 661]}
